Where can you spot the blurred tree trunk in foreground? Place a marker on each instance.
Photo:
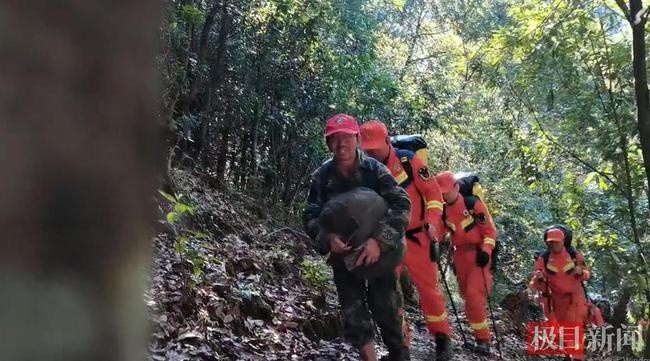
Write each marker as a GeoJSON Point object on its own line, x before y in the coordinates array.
{"type": "Point", "coordinates": [80, 155]}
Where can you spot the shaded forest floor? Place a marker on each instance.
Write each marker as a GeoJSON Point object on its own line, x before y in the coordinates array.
{"type": "Point", "coordinates": [231, 282]}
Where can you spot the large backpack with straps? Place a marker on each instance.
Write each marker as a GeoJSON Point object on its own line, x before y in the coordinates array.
{"type": "Point", "coordinates": [471, 190]}
{"type": "Point", "coordinates": [414, 143]}
{"type": "Point", "coordinates": [406, 147]}
{"type": "Point", "coordinates": [595, 313]}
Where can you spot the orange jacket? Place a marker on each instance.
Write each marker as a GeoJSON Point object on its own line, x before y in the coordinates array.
{"type": "Point", "coordinates": [555, 273]}
{"type": "Point", "coordinates": [466, 229]}
{"type": "Point", "coordinates": [423, 191]}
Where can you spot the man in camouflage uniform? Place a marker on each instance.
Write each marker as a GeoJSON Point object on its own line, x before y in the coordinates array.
{"type": "Point", "coordinates": [350, 168]}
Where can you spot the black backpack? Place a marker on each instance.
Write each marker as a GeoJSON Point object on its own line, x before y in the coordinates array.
{"type": "Point", "coordinates": [471, 190]}
{"type": "Point", "coordinates": [573, 253]}
{"type": "Point", "coordinates": [406, 147]}
{"type": "Point", "coordinates": [414, 143]}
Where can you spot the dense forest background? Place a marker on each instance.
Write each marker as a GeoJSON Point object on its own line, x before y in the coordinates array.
{"type": "Point", "coordinates": [546, 100]}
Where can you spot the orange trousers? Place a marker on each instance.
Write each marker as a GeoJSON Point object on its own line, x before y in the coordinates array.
{"type": "Point", "coordinates": [424, 274]}
{"type": "Point", "coordinates": [474, 289]}
{"type": "Point", "coordinates": [570, 307]}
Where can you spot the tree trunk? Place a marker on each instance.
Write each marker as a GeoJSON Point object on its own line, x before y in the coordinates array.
{"type": "Point", "coordinates": [193, 76]}
{"type": "Point", "coordinates": [242, 165]}
{"type": "Point", "coordinates": [629, 189]}
{"type": "Point", "coordinates": [642, 98]}
{"type": "Point", "coordinates": [641, 82]}
{"type": "Point", "coordinates": [253, 167]}
{"type": "Point", "coordinates": [216, 74]}
{"type": "Point", "coordinates": [203, 142]}
{"type": "Point", "coordinates": [218, 65]}
{"type": "Point", "coordinates": [222, 157]}
{"type": "Point", "coordinates": [268, 180]}
{"type": "Point", "coordinates": [289, 164]}
{"type": "Point", "coordinates": [80, 152]}
{"type": "Point", "coordinates": [619, 310]}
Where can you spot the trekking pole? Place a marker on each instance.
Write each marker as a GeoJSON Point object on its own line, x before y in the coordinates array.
{"type": "Point", "coordinates": [453, 305]}
{"type": "Point", "coordinates": [548, 297]}
{"type": "Point", "coordinates": [494, 325]}
{"type": "Point", "coordinates": [450, 248]}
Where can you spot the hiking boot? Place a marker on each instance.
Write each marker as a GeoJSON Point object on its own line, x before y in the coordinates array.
{"type": "Point", "coordinates": [443, 347]}
{"type": "Point", "coordinates": [482, 347]}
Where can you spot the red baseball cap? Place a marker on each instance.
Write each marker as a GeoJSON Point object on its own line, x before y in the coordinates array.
{"type": "Point", "coordinates": [446, 181]}
{"type": "Point", "coordinates": [373, 135]}
{"type": "Point", "coordinates": [555, 235]}
{"type": "Point", "coordinates": [341, 123]}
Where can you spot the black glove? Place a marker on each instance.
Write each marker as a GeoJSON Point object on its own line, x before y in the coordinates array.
{"type": "Point", "coordinates": [482, 258]}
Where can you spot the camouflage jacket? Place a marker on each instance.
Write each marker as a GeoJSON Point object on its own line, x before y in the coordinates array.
{"type": "Point", "coordinates": [327, 182]}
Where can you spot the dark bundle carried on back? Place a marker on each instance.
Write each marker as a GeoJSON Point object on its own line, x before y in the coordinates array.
{"type": "Point", "coordinates": [354, 216]}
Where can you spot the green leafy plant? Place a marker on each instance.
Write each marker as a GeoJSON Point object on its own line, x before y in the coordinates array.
{"type": "Point", "coordinates": [180, 209]}
{"type": "Point", "coordinates": [182, 246]}
{"type": "Point", "coordinates": [315, 273]}
{"type": "Point", "coordinates": [192, 13]}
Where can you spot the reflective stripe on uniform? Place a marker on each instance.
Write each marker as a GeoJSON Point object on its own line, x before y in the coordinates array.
{"type": "Point", "coordinates": [479, 326]}
{"type": "Point", "coordinates": [489, 241]}
{"type": "Point", "coordinates": [434, 205]}
{"type": "Point", "coordinates": [468, 221]}
{"type": "Point", "coordinates": [552, 268]}
{"type": "Point", "coordinates": [433, 318]}
{"type": "Point", "coordinates": [401, 177]}
{"type": "Point", "coordinates": [568, 266]}
{"type": "Point", "coordinates": [451, 226]}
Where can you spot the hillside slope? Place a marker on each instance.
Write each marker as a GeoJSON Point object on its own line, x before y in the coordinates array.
{"type": "Point", "coordinates": [229, 282]}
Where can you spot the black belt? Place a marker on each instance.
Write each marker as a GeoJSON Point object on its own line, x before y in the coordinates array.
{"type": "Point", "coordinates": [410, 233]}
{"type": "Point", "coordinates": [433, 251]}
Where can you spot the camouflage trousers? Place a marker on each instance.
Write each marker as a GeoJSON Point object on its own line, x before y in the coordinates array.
{"type": "Point", "coordinates": [359, 297]}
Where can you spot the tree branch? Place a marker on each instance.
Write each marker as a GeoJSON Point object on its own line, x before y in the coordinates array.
{"type": "Point", "coordinates": [612, 227]}
{"type": "Point", "coordinates": [560, 146]}
{"type": "Point", "coordinates": [414, 41]}
{"type": "Point", "coordinates": [599, 73]}
{"type": "Point", "coordinates": [412, 61]}
{"type": "Point", "coordinates": [623, 6]}
{"type": "Point", "coordinates": [640, 16]}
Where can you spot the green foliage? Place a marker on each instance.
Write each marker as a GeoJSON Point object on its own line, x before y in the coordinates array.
{"type": "Point", "coordinates": [316, 273]}
{"type": "Point", "coordinates": [188, 250]}
{"type": "Point", "coordinates": [192, 14]}
{"type": "Point", "coordinates": [187, 244]}
{"type": "Point", "coordinates": [180, 209]}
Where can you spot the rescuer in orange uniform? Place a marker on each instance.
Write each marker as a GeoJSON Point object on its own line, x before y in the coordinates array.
{"type": "Point", "coordinates": [425, 227]}
{"type": "Point", "coordinates": [559, 278]}
{"type": "Point", "coordinates": [473, 237]}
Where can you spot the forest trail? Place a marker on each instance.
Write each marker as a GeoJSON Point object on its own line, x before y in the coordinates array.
{"type": "Point", "coordinates": [232, 283]}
